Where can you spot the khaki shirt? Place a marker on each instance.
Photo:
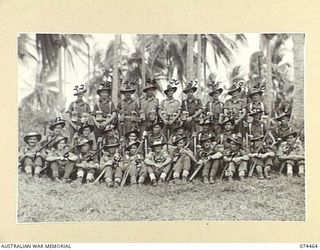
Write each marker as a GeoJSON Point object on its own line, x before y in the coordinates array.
{"type": "Point", "coordinates": [127, 106]}
{"type": "Point", "coordinates": [234, 108]}
{"type": "Point", "coordinates": [106, 107]}
{"type": "Point", "coordinates": [80, 107]}
{"type": "Point", "coordinates": [147, 104]}
{"type": "Point", "coordinates": [191, 105]}
{"type": "Point", "coordinates": [214, 107]}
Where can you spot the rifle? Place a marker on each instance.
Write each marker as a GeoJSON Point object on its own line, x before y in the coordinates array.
{"type": "Point", "coordinates": [201, 165]}
{"type": "Point", "coordinates": [126, 174]}
{"type": "Point", "coordinates": [256, 159]}
{"type": "Point", "coordinates": [290, 149]}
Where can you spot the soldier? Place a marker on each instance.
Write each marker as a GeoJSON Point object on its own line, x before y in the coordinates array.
{"type": "Point", "coordinates": [85, 162]}
{"type": "Point", "coordinates": [158, 163]}
{"type": "Point", "coordinates": [149, 106]}
{"type": "Point", "coordinates": [191, 108]}
{"type": "Point", "coordinates": [98, 123]}
{"type": "Point", "coordinates": [105, 105]}
{"type": "Point", "coordinates": [134, 161]}
{"type": "Point", "coordinates": [235, 158]}
{"type": "Point", "coordinates": [156, 133]}
{"type": "Point", "coordinates": [236, 106]}
{"type": "Point", "coordinates": [209, 158]}
{"type": "Point", "coordinates": [86, 132]}
{"type": "Point", "coordinates": [29, 157]}
{"type": "Point", "coordinates": [256, 127]}
{"type": "Point", "coordinates": [291, 154]}
{"type": "Point", "coordinates": [111, 163]}
{"type": "Point", "coordinates": [227, 130]}
{"type": "Point", "coordinates": [109, 133]}
{"type": "Point", "coordinates": [128, 110]}
{"type": "Point", "coordinates": [182, 157]}
{"type": "Point", "coordinates": [214, 108]}
{"type": "Point", "coordinates": [262, 156]}
{"type": "Point", "coordinates": [179, 130]}
{"type": "Point", "coordinates": [256, 103]}
{"type": "Point", "coordinates": [78, 107]}
{"type": "Point", "coordinates": [170, 110]}
{"type": "Point", "coordinates": [283, 127]}
{"type": "Point", "coordinates": [61, 164]}
{"type": "Point", "coordinates": [56, 130]}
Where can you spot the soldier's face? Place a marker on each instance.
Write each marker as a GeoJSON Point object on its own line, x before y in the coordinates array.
{"type": "Point", "coordinates": [104, 94]}
{"type": "Point", "coordinates": [180, 144]}
{"type": "Point", "coordinates": [206, 144]}
{"type": "Point", "coordinates": [132, 137]}
{"type": "Point", "coordinates": [133, 149]}
{"type": "Point", "coordinates": [127, 95]}
{"type": "Point", "coordinates": [290, 139]}
{"type": "Point", "coordinates": [180, 131]}
{"type": "Point", "coordinates": [157, 149]}
{"type": "Point", "coordinates": [33, 140]}
{"type": "Point", "coordinates": [86, 131]}
{"type": "Point", "coordinates": [235, 93]}
{"type": "Point", "coordinates": [57, 129]}
{"type": "Point", "coordinates": [156, 129]}
{"type": "Point", "coordinates": [112, 150]}
{"type": "Point", "coordinates": [170, 93]}
{"type": "Point", "coordinates": [190, 93]}
{"type": "Point", "coordinates": [257, 143]}
{"type": "Point", "coordinates": [285, 120]}
{"type": "Point", "coordinates": [85, 148]}
{"type": "Point", "coordinates": [80, 96]}
{"type": "Point", "coordinates": [233, 146]}
{"type": "Point", "coordinates": [215, 95]}
{"type": "Point", "coordinates": [149, 92]}
{"type": "Point", "coordinates": [227, 126]}
{"type": "Point", "coordinates": [256, 97]}
{"type": "Point", "coordinates": [61, 145]}
{"type": "Point", "coordinates": [256, 117]}
{"type": "Point", "coordinates": [98, 117]}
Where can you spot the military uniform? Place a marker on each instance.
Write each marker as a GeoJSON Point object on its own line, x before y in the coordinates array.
{"type": "Point", "coordinates": [114, 168]}
{"type": "Point", "coordinates": [28, 159]}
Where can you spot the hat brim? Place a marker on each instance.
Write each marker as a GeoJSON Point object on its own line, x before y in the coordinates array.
{"type": "Point", "coordinates": [133, 131]}
{"type": "Point", "coordinates": [127, 91]}
{"type": "Point", "coordinates": [174, 89]}
{"type": "Point", "coordinates": [188, 89]}
{"type": "Point", "coordinates": [57, 123]}
{"type": "Point", "coordinates": [158, 123]}
{"type": "Point", "coordinates": [149, 87]}
{"type": "Point", "coordinates": [233, 90]}
{"type": "Point", "coordinates": [80, 92]}
{"type": "Point", "coordinates": [214, 91]}
{"type": "Point", "coordinates": [286, 136]}
{"type": "Point", "coordinates": [136, 143]}
{"type": "Point", "coordinates": [113, 145]}
{"type": "Point", "coordinates": [108, 128]}
{"type": "Point", "coordinates": [255, 113]}
{"type": "Point", "coordinates": [181, 138]}
{"type": "Point", "coordinates": [100, 90]}
{"type": "Point", "coordinates": [87, 126]}
{"type": "Point", "coordinates": [210, 138]}
{"type": "Point", "coordinates": [230, 140]}
{"type": "Point", "coordinates": [282, 116]}
{"type": "Point", "coordinates": [28, 136]}
{"type": "Point", "coordinates": [65, 139]}
{"type": "Point", "coordinates": [257, 138]}
{"type": "Point", "coordinates": [89, 141]}
{"type": "Point", "coordinates": [229, 120]}
{"type": "Point", "coordinates": [255, 92]}
{"type": "Point", "coordinates": [158, 144]}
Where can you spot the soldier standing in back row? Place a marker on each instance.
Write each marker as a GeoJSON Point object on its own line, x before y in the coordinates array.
{"type": "Point", "coordinates": [77, 109]}
{"type": "Point", "coordinates": [149, 106]}
{"type": "Point", "coordinates": [236, 106]}
{"type": "Point", "coordinates": [214, 108]}
{"type": "Point", "coordinates": [170, 110]}
{"type": "Point", "coordinates": [191, 108]}
{"type": "Point", "coordinates": [128, 110]}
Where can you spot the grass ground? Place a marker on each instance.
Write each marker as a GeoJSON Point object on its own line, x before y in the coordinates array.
{"type": "Point", "coordinates": [278, 199]}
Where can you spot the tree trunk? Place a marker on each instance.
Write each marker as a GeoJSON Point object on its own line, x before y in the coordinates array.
{"type": "Point", "coordinates": [199, 66]}
{"type": "Point", "coordinates": [190, 43]}
{"type": "Point", "coordinates": [298, 94]}
{"type": "Point", "coordinates": [115, 78]}
{"type": "Point", "coordinates": [268, 94]}
{"type": "Point", "coordinates": [60, 79]}
{"type": "Point", "coordinates": [143, 62]}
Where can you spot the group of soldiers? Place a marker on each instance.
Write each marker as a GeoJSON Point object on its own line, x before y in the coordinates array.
{"type": "Point", "coordinates": [143, 141]}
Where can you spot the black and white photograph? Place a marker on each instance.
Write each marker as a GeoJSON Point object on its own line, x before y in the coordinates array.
{"type": "Point", "coordinates": [161, 127]}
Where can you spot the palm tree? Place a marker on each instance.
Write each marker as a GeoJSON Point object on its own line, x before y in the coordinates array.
{"type": "Point", "coordinates": [298, 99]}
{"type": "Point", "coordinates": [115, 76]}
